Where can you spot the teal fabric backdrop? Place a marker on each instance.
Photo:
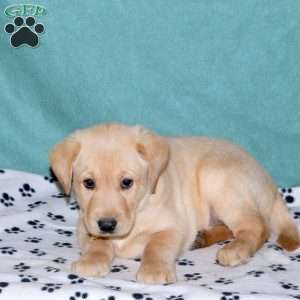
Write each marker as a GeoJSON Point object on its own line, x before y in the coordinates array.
{"type": "Point", "coordinates": [221, 68]}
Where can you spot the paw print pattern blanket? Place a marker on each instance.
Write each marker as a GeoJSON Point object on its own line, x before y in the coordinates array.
{"type": "Point", "coordinates": [38, 244]}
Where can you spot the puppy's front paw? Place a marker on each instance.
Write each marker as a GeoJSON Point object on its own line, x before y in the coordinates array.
{"type": "Point", "coordinates": [91, 266]}
{"type": "Point", "coordinates": [234, 254]}
{"type": "Point", "coordinates": [156, 273]}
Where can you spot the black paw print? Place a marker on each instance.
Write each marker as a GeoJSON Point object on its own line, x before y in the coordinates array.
{"type": "Point", "coordinates": [274, 247]}
{"type": "Point", "coordinates": [296, 214]}
{"type": "Point", "coordinates": [289, 286]}
{"type": "Point", "coordinates": [75, 279]}
{"type": "Point", "coordinates": [73, 205]}
{"type": "Point", "coordinates": [51, 269]}
{"type": "Point", "coordinates": [113, 287]}
{"type": "Point", "coordinates": [51, 287]}
{"type": "Point", "coordinates": [36, 204]}
{"type": "Point", "coordinates": [62, 245]}
{"type": "Point", "coordinates": [14, 230]}
{"type": "Point", "coordinates": [295, 258]}
{"type": "Point", "coordinates": [60, 260]}
{"type": "Point", "coordinates": [26, 190]}
{"type": "Point", "coordinates": [185, 262]}
{"type": "Point", "coordinates": [24, 34]}
{"type": "Point", "coordinates": [276, 268]}
{"type": "Point", "coordinates": [8, 250]}
{"type": "Point", "coordinates": [3, 285]}
{"type": "Point", "coordinates": [21, 267]}
{"type": "Point", "coordinates": [59, 195]}
{"type": "Point", "coordinates": [36, 224]}
{"type": "Point", "coordinates": [230, 296]}
{"type": "Point", "coordinates": [143, 296]}
{"type": "Point", "coordinates": [50, 178]}
{"type": "Point", "coordinates": [38, 252]}
{"type": "Point", "coordinates": [28, 278]}
{"type": "Point", "coordinates": [192, 276]}
{"type": "Point", "coordinates": [56, 217]}
{"type": "Point", "coordinates": [67, 233]}
{"type": "Point", "coordinates": [224, 280]}
{"type": "Point", "coordinates": [34, 240]}
{"type": "Point", "coordinates": [118, 268]}
{"type": "Point", "coordinates": [178, 297]}
{"type": "Point", "coordinates": [255, 273]}
{"type": "Point", "coordinates": [287, 195]}
{"type": "Point", "coordinates": [79, 295]}
{"type": "Point", "coordinates": [7, 200]}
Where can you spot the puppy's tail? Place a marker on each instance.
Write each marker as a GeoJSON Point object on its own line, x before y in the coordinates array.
{"type": "Point", "coordinates": [283, 225]}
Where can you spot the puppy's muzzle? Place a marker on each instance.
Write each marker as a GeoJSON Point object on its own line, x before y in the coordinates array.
{"type": "Point", "coordinates": [107, 225]}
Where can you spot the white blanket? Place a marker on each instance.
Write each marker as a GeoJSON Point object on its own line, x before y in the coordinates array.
{"type": "Point", "coordinates": [38, 244]}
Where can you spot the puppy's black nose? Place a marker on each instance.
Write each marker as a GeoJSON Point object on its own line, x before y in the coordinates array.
{"type": "Point", "coordinates": [107, 225]}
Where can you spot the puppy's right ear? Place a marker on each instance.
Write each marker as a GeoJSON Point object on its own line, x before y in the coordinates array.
{"type": "Point", "coordinates": [61, 161]}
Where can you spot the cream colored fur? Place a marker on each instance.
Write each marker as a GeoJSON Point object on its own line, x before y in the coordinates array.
{"type": "Point", "coordinates": [181, 185]}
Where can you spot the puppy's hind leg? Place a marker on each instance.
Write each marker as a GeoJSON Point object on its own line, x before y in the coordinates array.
{"type": "Point", "coordinates": [208, 237]}
{"type": "Point", "coordinates": [250, 233]}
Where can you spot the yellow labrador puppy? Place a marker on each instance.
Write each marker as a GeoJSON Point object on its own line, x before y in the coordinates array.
{"type": "Point", "coordinates": [141, 194]}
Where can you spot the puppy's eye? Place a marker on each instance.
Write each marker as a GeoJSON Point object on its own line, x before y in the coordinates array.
{"type": "Point", "coordinates": [126, 183]}
{"type": "Point", "coordinates": [89, 183]}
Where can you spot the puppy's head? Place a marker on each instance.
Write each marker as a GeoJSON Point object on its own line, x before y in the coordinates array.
{"type": "Point", "coordinates": [112, 168]}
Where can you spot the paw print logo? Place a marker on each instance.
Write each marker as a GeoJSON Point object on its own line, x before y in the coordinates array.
{"type": "Point", "coordinates": [14, 230]}
{"type": "Point", "coordinates": [287, 195]}
{"type": "Point", "coordinates": [75, 279]}
{"type": "Point", "coordinates": [224, 280]}
{"type": "Point", "coordinates": [38, 252]}
{"type": "Point", "coordinates": [144, 296]}
{"type": "Point", "coordinates": [62, 245]}
{"type": "Point", "coordinates": [3, 285]}
{"type": "Point", "coordinates": [21, 267]}
{"type": "Point", "coordinates": [56, 217]}
{"type": "Point", "coordinates": [24, 31]}
{"type": "Point", "coordinates": [27, 278]}
{"type": "Point", "coordinates": [79, 295]}
{"type": "Point", "coordinates": [51, 287]}
{"type": "Point", "coordinates": [59, 260]}
{"type": "Point", "coordinates": [278, 267]}
{"type": "Point", "coordinates": [118, 268]}
{"type": "Point", "coordinates": [289, 286]}
{"type": "Point", "coordinates": [35, 204]}
{"type": "Point", "coordinates": [34, 240]}
{"type": "Point", "coordinates": [295, 258]}
{"type": "Point", "coordinates": [296, 214]}
{"type": "Point", "coordinates": [66, 233]}
{"type": "Point", "coordinates": [185, 262]}
{"type": "Point", "coordinates": [173, 297]}
{"type": "Point", "coordinates": [26, 190]}
{"type": "Point", "coordinates": [36, 224]}
{"type": "Point", "coordinates": [8, 250]}
{"type": "Point", "coordinates": [7, 200]}
{"type": "Point", "coordinates": [230, 296]}
{"type": "Point", "coordinates": [113, 288]}
{"type": "Point", "coordinates": [73, 205]}
{"type": "Point", "coordinates": [255, 273]}
{"type": "Point", "coordinates": [192, 276]}
{"type": "Point", "coordinates": [51, 269]}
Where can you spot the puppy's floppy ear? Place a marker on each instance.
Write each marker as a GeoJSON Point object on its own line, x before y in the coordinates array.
{"type": "Point", "coordinates": [155, 150]}
{"type": "Point", "coordinates": [61, 160]}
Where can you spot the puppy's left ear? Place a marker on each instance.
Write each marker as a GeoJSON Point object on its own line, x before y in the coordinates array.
{"type": "Point", "coordinates": [61, 159]}
{"type": "Point", "coordinates": [154, 149]}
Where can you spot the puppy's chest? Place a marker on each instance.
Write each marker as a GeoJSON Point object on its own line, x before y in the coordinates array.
{"type": "Point", "coordinates": [132, 246]}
